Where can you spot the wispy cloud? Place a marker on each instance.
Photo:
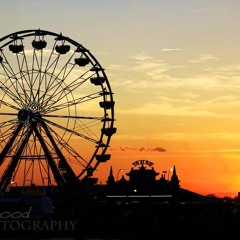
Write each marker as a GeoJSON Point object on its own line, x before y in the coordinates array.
{"type": "Point", "coordinates": [170, 49]}
{"type": "Point", "coordinates": [140, 149]}
{"type": "Point", "coordinates": [202, 93]}
{"type": "Point", "coordinates": [169, 110]}
{"type": "Point", "coordinates": [144, 62]}
{"type": "Point", "coordinates": [203, 58]}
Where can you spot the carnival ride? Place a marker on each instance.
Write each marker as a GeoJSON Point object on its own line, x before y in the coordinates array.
{"type": "Point", "coordinates": [56, 111]}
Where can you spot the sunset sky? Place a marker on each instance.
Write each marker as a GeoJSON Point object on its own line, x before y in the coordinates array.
{"type": "Point", "coordinates": [174, 68]}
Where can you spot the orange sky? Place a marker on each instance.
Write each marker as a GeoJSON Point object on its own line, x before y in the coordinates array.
{"type": "Point", "coordinates": [174, 68]}
{"type": "Point", "coordinates": [218, 176]}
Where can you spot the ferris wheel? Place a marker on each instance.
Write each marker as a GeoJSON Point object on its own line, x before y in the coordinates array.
{"type": "Point", "coordinates": [56, 110]}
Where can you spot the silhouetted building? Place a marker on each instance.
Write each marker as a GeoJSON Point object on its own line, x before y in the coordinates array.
{"type": "Point", "coordinates": [143, 182]}
{"type": "Point", "coordinates": [110, 180]}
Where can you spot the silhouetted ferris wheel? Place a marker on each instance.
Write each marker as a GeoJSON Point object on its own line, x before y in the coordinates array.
{"type": "Point", "coordinates": [56, 110]}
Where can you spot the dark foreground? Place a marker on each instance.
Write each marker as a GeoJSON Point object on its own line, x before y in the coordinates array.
{"type": "Point", "coordinates": [142, 220]}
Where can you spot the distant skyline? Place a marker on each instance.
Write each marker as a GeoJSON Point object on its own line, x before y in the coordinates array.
{"type": "Point", "coordinates": [174, 68]}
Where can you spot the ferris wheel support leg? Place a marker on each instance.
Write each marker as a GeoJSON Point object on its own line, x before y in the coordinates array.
{"type": "Point", "coordinates": [9, 144]}
{"type": "Point", "coordinates": [6, 179]}
{"type": "Point", "coordinates": [59, 179]}
{"type": "Point", "coordinates": [71, 175]}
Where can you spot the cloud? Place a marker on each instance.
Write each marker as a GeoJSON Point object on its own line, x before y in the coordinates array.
{"type": "Point", "coordinates": [169, 110]}
{"type": "Point", "coordinates": [170, 49]}
{"type": "Point", "coordinates": [141, 64]}
{"type": "Point", "coordinates": [159, 149]}
{"type": "Point", "coordinates": [176, 90]}
{"type": "Point", "coordinates": [156, 149]}
{"type": "Point", "coordinates": [140, 149]}
{"type": "Point", "coordinates": [203, 58]}
{"type": "Point", "coordinates": [144, 62]}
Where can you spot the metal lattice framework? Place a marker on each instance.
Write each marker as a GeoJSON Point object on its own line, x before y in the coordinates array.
{"type": "Point", "coordinates": [56, 110]}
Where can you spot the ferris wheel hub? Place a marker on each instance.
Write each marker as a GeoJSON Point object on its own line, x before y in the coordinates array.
{"type": "Point", "coordinates": [23, 115]}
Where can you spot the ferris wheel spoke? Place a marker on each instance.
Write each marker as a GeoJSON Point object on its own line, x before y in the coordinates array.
{"type": "Point", "coordinates": [7, 104]}
{"type": "Point", "coordinates": [48, 71]}
{"type": "Point", "coordinates": [6, 130]}
{"type": "Point", "coordinates": [12, 77]}
{"type": "Point", "coordinates": [15, 172]}
{"type": "Point", "coordinates": [63, 92]}
{"type": "Point", "coordinates": [53, 65]}
{"type": "Point", "coordinates": [24, 79]}
{"type": "Point", "coordinates": [75, 157]}
{"type": "Point", "coordinates": [37, 65]}
{"type": "Point", "coordinates": [12, 94]}
{"type": "Point", "coordinates": [64, 162]}
{"type": "Point", "coordinates": [62, 75]}
{"type": "Point", "coordinates": [72, 117]}
{"type": "Point", "coordinates": [36, 70]}
{"type": "Point", "coordinates": [43, 173]}
{"type": "Point", "coordinates": [52, 107]}
{"type": "Point", "coordinates": [71, 131]}
{"type": "Point", "coordinates": [60, 91]}
{"type": "Point", "coordinates": [51, 162]}
{"type": "Point", "coordinates": [86, 127]}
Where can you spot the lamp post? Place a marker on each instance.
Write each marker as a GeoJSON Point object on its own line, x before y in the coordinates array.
{"type": "Point", "coordinates": [13, 183]}
{"type": "Point", "coordinates": [169, 170]}
{"type": "Point", "coordinates": [120, 170]}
